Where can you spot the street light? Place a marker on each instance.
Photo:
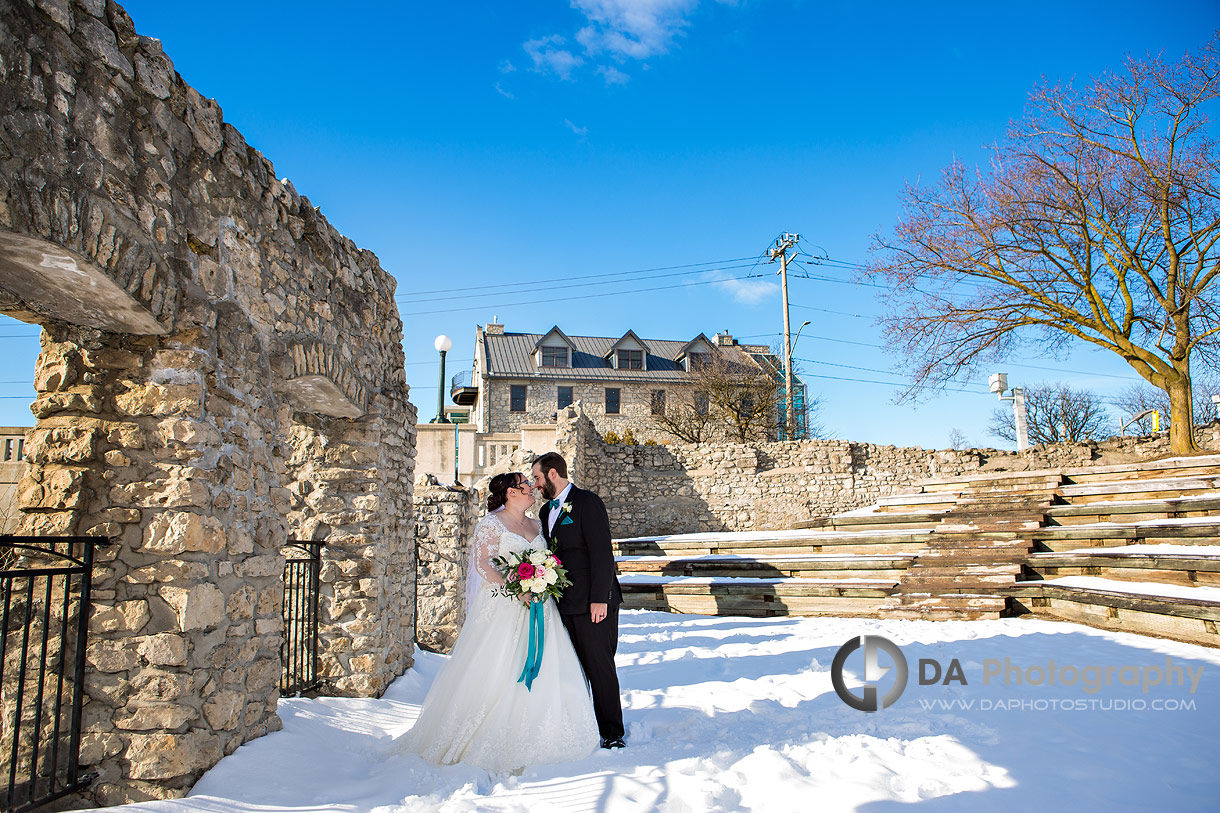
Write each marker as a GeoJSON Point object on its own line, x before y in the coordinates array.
{"type": "Point", "coordinates": [798, 334]}
{"type": "Point", "coordinates": [442, 344]}
{"type": "Point", "coordinates": [998, 383]}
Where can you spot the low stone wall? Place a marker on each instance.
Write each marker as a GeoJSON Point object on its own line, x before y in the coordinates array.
{"type": "Point", "coordinates": [738, 487]}
{"type": "Point", "coordinates": [444, 525]}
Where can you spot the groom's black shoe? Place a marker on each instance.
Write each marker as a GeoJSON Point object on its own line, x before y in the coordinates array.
{"type": "Point", "coordinates": [617, 742]}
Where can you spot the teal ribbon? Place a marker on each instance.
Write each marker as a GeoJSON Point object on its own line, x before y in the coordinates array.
{"type": "Point", "coordinates": [533, 658]}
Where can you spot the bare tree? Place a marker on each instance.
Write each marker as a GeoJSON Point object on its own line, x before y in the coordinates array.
{"type": "Point", "coordinates": [958, 439]}
{"type": "Point", "coordinates": [1055, 413]}
{"type": "Point", "coordinates": [1098, 220]}
{"type": "Point", "coordinates": [732, 398]}
{"type": "Point", "coordinates": [1138, 398]}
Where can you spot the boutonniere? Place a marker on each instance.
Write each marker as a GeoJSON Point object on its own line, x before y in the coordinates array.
{"type": "Point", "coordinates": [566, 509]}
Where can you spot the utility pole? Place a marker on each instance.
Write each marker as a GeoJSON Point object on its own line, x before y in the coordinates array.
{"type": "Point", "coordinates": [783, 243]}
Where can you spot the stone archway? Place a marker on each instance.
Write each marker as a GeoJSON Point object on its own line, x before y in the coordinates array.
{"type": "Point", "coordinates": [196, 313]}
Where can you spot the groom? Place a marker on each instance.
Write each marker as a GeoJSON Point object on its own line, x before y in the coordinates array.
{"type": "Point", "coordinates": [576, 527]}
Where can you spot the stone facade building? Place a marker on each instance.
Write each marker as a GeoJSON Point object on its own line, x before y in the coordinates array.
{"type": "Point", "coordinates": [12, 469]}
{"type": "Point", "coordinates": [522, 379]}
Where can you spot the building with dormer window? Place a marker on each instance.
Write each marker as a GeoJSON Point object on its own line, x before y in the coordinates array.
{"type": "Point", "coordinates": [520, 380]}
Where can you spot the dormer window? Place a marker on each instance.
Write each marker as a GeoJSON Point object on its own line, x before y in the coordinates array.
{"type": "Point", "coordinates": [553, 350]}
{"type": "Point", "coordinates": [554, 356]}
{"type": "Point", "coordinates": [697, 361]}
{"type": "Point", "coordinates": [630, 360]}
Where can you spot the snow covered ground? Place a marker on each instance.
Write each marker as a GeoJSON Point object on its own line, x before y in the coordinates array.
{"type": "Point", "coordinates": [740, 714]}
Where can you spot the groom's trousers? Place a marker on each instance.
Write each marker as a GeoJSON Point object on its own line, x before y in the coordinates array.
{"type": "Point", "coordinates": [595, 645]}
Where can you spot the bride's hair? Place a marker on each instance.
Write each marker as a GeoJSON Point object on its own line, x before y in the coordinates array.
{"type": "Point", "coordinates": [497, 489]}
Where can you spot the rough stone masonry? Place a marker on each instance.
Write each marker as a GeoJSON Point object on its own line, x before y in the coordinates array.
{"type": "Point", "coordinates": [220, 372]}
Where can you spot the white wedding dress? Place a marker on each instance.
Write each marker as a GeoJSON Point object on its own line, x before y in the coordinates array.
{"type": "Point", "coordinates": [476, 712]}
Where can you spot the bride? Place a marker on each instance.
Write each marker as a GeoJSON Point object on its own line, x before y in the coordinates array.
{"type": "Point", "coordinates": [476, 711]}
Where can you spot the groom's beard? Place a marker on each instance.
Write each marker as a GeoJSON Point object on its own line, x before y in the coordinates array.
{"type": "Point", "coordinates": [548, 489]}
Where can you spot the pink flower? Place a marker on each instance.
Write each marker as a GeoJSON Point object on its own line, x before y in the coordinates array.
{"type": "Point", "coordinates": [525, 571]}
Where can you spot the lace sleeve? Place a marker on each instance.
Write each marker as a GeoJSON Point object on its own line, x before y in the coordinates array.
{"type": "Point", "coordinates": [486, 544]}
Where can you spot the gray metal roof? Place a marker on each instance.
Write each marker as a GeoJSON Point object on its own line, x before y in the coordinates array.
{"type": "Point", "coordinates": [510, 356]}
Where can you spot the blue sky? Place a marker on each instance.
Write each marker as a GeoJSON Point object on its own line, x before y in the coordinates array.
{"type": "Point", "coordinates": [476, 146]}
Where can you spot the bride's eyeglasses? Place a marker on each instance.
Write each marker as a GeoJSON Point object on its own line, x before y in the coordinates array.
{"type": "Point", "coordinates": [524, 487]}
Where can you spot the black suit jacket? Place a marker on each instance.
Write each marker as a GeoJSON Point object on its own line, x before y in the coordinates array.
{"type": "Point", "coordinates": [584, 548]}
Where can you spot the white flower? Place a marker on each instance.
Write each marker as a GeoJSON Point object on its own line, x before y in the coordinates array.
{"type": "Point", "coordinates": [567, 507]}
{"type": "Point", "coordinates": [538, 557]}
{"type": "Point", "coordinates": [537, 585]}
{"type": "Point", "coordinates": [551, 577]}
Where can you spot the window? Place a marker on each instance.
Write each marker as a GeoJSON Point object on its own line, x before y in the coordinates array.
{"type": "Point", "coordinates": [565, 397]}
{"type": "Point", "coordinates": [612, 400]}
{"type": "Point", "coordinates": [658, 402]}
{"type": "Point", "coordinates": [554, 356]}
{"type": "Point", "coordinates": [631, 359]}
{"type": "Point", "coordinates": [696, 361]}
{"type": "Point", "coordinates": [516, 400]}
{"type": "Point", "coordinates": [701, 404]}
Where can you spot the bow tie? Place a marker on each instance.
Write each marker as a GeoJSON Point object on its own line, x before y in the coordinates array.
{"type": "Point", "coordinates": [554, 504]}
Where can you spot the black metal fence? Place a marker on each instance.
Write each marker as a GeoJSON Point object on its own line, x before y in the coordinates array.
{"type": "Point", "coordinates": [45, 588]}
{"type": "Point", "coordinates": [301, 584]}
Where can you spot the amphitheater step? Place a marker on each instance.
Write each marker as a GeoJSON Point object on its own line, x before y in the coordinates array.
{"type": "Point", "coordinates": [874, 520]}
{"type": "Point", "coordinates": [828, 566]}
{"type": "Point", "coordinates": [777, 543]}
{"type": "Point", "coordinates": [1135, 510]}
{"type": "Point", "coordinates": [1190, 614]}
{"type": "Point", "coordinates": [1201, 465]}
{"type": "Point", "coordinates": [755, 597]}
{"type": "Point", "coordinates": [962, 606]}
{"type": "Point", "coordinates": [1193, 531]}
{"type": "Point", "coordinates": [1166, 564]}
{"type": "Point", "coordinates": [996, 481]}
{"type": "Point", "coordinates": [1143, 489]}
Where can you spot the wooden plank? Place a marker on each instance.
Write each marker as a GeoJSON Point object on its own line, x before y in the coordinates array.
{"type": "Point", "coordinates": [1182, 607]}
{"type": "Point", "coordinates": [1180, 628]}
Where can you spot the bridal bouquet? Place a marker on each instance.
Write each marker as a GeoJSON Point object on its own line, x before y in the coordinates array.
{"type": "Point", "coordinates": [533, 571]}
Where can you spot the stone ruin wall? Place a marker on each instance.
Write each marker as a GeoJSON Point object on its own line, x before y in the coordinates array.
{"type": "Point", "coordinates": [444, 527]}
{"type": "Point", "coordinates": [689, 488]}
{"type": "Point", "coordinates": [220, 372]}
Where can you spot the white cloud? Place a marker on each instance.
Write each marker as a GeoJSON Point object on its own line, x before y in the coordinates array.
{"type": "Point", "coordinates": [548, 56]}
{"type": "Point", "coordinates": [632, 29]}
{"type": "Point", "coordinates": [617, 31]}
{"type": "Point", "coordinates": [506, 94]}
{"type": "Point", "coordinates": [746, 291]}
{"type": "Point", "coordinates": [507, 67]}
{"type": "Point", "coordinates": [613, 76]}
{"type": "Point", "coordinates": [580, 131]}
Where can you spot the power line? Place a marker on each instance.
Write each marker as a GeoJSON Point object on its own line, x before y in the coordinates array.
{"type": "Point", "coordinates": [826, 310]}
{"type": "Point", "coordinates": [886, 383]}
{"type": "Point", "coordinates": [874, 370]}
{"type": "Point", "coordinates": [534, 303]}
{"type": "Point", "coordinates": [468, 295]}
{"type": "Point", "coordinates": [567, 278]}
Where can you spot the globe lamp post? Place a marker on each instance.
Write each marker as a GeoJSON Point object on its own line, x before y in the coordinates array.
{"type": "Point", "coordinates": [442, 344]}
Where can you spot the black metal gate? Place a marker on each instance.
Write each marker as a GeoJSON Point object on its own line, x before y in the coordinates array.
{"type": "Point", "coordinates": [301, 584]}
{"type": "Point", "coordinates": [45, 588]}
